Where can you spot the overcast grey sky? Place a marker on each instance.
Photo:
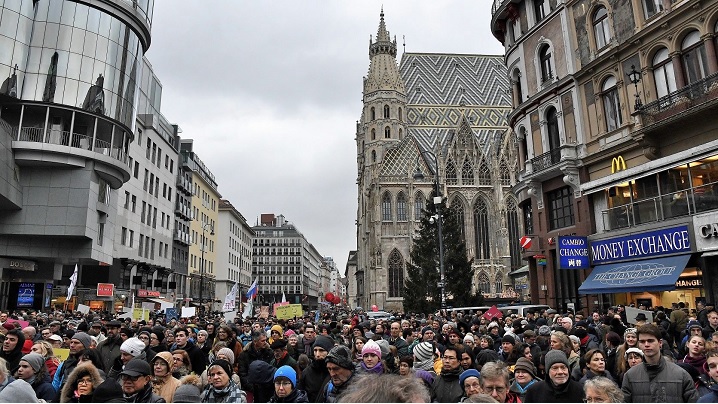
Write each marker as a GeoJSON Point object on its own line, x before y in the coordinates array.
{"type": "Point", "coordinates": [271, 91]}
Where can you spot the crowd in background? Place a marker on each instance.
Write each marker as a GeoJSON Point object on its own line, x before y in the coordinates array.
{"type": "Point", "coordinates": [347, 357]}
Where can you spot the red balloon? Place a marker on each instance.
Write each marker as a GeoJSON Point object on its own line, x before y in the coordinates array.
{"type": "Point", "coordinates": [329, 296]}
{"type": "Point", "coordinates": [374, 307]}
{"type": "Point", "coordinates": [336, 300]}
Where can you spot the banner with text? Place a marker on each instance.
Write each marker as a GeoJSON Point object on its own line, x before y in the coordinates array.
{"type": "Point", "coordinates": [672, 240]}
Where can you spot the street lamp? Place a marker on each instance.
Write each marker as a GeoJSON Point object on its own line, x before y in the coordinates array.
{"type": "Point", "coordinates": [418, 175]}
{"type": "Point", "coordinates": [635, 76]}
{"type": "Point", "coordinates": [202, 263]}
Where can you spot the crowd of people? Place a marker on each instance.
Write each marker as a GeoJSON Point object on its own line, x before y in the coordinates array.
{"type": "Point", "coordinates": [445, 357]}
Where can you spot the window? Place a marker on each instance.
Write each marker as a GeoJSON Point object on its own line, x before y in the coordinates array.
{"type": "Point", "coordinates": [600, 27]}
{"type": "Point", "coordinates": [498, 283]}
{"type": "Point", "coordinates": [694, 59]}
{"type": "Point", "coordinates": [504, 173]}
{"type": "Point", "coordinates": [387, 133]}
{"type": "Point", "coordinates": [484, 283]}
{"type": "Point", "coordinates": [386, 112]}
{"type": "Point", "coordinates": [134, 203]}
{"type": "Point", "coordinates": [539, 11]}
{"type": "Point", "coordinates": [560, 208]}
{"type": "Point", "coordinates": [137, 170]}
{"type": "Point", "coordinates": [401, 207]}
{"type": "Point", "coordinates": [481, 230]}
{"type": "Point", "coordinates": [396, 274]}
{"type": "Point", "coordinates": [400, 114]}
{"type": "Point", "coordinates": [611, 104]}
{"type": "Point", "coordinates": [418, 206]}
{"type": "Point", "coordinates": [484, 173]}
{"type": "Point", "coordinates": [457, 209]}
{"type": "Point", "coordinates": [546, 66]}
{"type": "Point", "coordinates": [127, 200]}
{"type": "Point", "coordinates": [373, 134]}
{"type": "Point", "coordinates": [512, 224]}
{"type": "Point", "coordinates": [467, 173]}
{"type": "Point", "coordinates": [373, 113]}
{"type": "Point", "coordinates": [652, 7]}
{"type": "Point", "coordinates": [123, 236]}
{"type": "Point", "coordinates": [451, 178]}
{"type": "Point", "coordinates": [131, 241]}
{"type": "Point", "coordinates": [554, 138]}
{"type": "Point", "coordinates": [528, 219]}
{"type": "Point", "coordinates": [516, 81]}
{"type": "Point", "coordinates": [100, 233]}
{"type": "Point", "coordinates": [663, 73]}
{"type": "Point", "coordinates": [386, 207]}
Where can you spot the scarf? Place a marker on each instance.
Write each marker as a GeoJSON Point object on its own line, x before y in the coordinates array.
{"type": "Point", "coordinates": [427, 364]}
{"type": "Point", "coordinates": [697, 363]}
{"type": "Point", "coordinates": [522, 390]}
{"type": "Point", "coordinates": [378, 368]}
{"type": "Point", "coordinates": [308, 347]}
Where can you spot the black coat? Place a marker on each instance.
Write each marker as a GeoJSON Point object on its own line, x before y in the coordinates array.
{"type": "Point", "coordinates": [313, 379]}
{"type": "Point", "coordinates": [196, 357]}
{"type": "Point", "coordinates": [545, 392]}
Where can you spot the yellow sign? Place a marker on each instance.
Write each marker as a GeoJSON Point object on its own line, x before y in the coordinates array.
{"type": "Point", "coordinates": [141, 314]}
{"type": "Point", "coordinates": [61, 353]}
{"type": "Point", "coordinates": [618, 164]}
{"type": "Point", "coordinates": [289, 311]}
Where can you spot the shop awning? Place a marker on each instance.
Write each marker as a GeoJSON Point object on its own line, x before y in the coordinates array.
{"type": "Point", "coordinates": [636, 276]}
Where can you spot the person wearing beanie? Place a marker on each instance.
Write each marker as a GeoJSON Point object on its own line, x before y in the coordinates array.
{"type": "Point", "coordinates": [558, 387]}
{"type": "Point", "coordinates": [75, 391]}
{"type": "Point", "coordinates": [18, 392]}
{"type": "Point", "coordinates": [163, 383]}
{"type": "Point", "coordinates": [261, 378]}
{"type": "Point", "coordinates": [371, 358]}
{"type": "Point", "coordinates": [446, 387]}
{"type": "Point", "coordinates": [130, 349]}
{"type": "Point", "coordinates": [341, 373]}
{"type": "Point", "coordinates": [189, 391]}
{"type": "Point", "coordinates": [508, 343]}
{"type": "Point", "coordinates": [285, 383]}
{"type": "Point", "coordinates": [79, 342]}
{"type": "Point", "coordinates": [316, 375]}
{"type": "Point", "coordinates": [424, 356]}
{"type": "Point", "coordinates": [470, 381]}
{"type": "Point", "coordinates": [524, 377]}
{"type": "Point", "coordinates": [32, 369]}
{"type": "Point", "coordinates": [281, 355]}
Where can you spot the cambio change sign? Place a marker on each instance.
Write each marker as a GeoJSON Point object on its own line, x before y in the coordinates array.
{"type": "Point", "coordinates": [573, 252]}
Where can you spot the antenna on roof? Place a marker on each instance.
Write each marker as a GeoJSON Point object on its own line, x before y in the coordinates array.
{"type": "Point", "coordinates": [403, 39]}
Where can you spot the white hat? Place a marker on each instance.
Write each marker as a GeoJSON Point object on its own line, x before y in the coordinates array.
{"type": "Point", "coordinates": [55, 337]}
{"type": "Point", "coordinates": [469, 337]}
{"type": "Point", "coordinates": [133, 346]}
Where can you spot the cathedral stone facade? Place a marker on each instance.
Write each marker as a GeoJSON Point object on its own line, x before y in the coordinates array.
{"type": "Point", "coordinates": [453, 107]}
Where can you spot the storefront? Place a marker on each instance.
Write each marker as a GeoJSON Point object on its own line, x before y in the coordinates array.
{"type": "Point", "coordinates": [705, 228]}
{"type": "Point", "coordinates": [657, 267]}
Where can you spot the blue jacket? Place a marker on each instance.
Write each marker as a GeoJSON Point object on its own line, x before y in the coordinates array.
{"type": "Point", "coordinates": [711, 397]}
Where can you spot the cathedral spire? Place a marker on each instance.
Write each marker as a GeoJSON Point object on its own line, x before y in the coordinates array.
{"type": "Point", "coordinates": [383, 43]}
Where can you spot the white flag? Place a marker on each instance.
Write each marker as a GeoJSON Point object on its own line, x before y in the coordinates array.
{"type": "Point", "coordinates": [247, 313]}
{"type": "Point", "coordinates": [230, 302]}
{"type": "Point", "coordinates": [132, 302]}
{"type": "Point", "coordinates": [73, 283]}
{"type": "Point", "coordinates": [284, 298]}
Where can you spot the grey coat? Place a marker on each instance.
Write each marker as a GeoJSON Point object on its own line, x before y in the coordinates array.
{"type": "Point", "coordinates": [669, 384]}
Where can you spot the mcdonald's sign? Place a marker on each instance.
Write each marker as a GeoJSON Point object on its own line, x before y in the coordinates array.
{"type": "Point", "coordinates": [618, 164]}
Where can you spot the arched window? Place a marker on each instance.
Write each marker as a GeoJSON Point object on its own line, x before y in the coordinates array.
{"type": "Point", "coordinates": [695, 63]}
{"type": "Point", "coordinates": [481, 229]}
{"type": "Point", "coordinates": [484, 283]}
{"type": "Point", "coordinates": [516, 79]}
{"type": "Point", "coordinates": [504, 173]}
{"type": "Point", "coordinates": [451, 178]}
{"type": "Point", "coordinates": [457, 208]}
{"type": "Point", "coordinates": [373, 134]}
{"type": "Point", "coordinates": [554, 138]}
{"type": "Point", "coordinates": [499, 283]}
{"type": "Point", "coordinates": [401, 116]}
{"type": "Point", "coordinates": [419, 200]}
{"type": "Point", "coordinates": [611, 104]}
{"type": "Point", "coordinates": [386, 112]}
{"type": "Point", "coordinates": [546, 64]}
{"type": "Point", "coordinates": [663, 73]}
{"type": "Point", "coordinates": [467, 173]}
{"type": "Point", "coordinates": [600, 27]}
{"type": "Point", "coordinates": [386, 207]}
{"type": "Point", "coordinates": [373, 156]}
{"type": "Point", "coordinates": [401, 208]}
{"type": "Point", "coordinates": [484, 173]}
{"type": "Point", "coordinates": [512, 224]}
{"type": "Point", "coordinates": [387, 132]}
{"type": "Point", "coordinates": [396, 273]}
{"type": "Point", "coordinates": [373, 113]}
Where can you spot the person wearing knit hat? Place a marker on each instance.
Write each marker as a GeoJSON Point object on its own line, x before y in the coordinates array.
{"type": "Point", "coordinates": [133, 347]}
{"type": "Point", "coordinates": [341, 372]}
{"type": "Point", "coordinates": [371, 358]}
{"type": "Point", "coordinates": [189, 390]}
{"type": "Point", "coordinates": [427, 334]}
{"type": "Point", "coordinates": [84, 339]}
{"type": "Point", "coordinates": [424, 356]}
{"type": "Point", "coordinates": [285, 387]}
{"type": "Point", "coordinates": [32, 369]}
{"type": "Point", "coordinates": [508, 344]}
{"type": "Point", "coordinates": [524, 377]}
{"type": "Point", "coordinates": [18, 391]}
{"type": "Point", "coordinates": [470, 382]}
{"type": "Point", "coordinates": [544, 331]}
{"type": "Point", "coordinates": [222, 388]}
{"type": "Point", "coordinates": [226, 354]}
{"type": "Point", "coordinates": [384, 347]}
{"type": "Point", "coordinates": [323, 342]}
{"type": "Point", "coordinates": [558, 385]}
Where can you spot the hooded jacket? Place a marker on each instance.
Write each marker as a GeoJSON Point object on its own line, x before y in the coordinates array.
{"type": "Point", "coordinates": [165, 387]}
{"type": "Point", "coordinates": [250, 354]}
{"type": "Point", "coordinates": [13, 357]}
{"type": "Point", "coordinates": [67, 395]}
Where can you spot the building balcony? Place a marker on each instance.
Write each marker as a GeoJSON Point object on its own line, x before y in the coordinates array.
{"type": "Point", "coordinates": [669, 206]}
{"type": "Point", "coordinates": [183, 211]}
{"type": "Point", "coordinates": [182, 237]}
{"type": "Point", "coordinates": [550, 164]}
{"type": "Point", "coordinates": [184, 185]}
{"type": "Point", "coordinates": [696, 101]}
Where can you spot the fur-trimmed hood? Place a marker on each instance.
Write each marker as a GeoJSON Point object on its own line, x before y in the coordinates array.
{"type": "Point", "coordinates": [193, 380]}
{"type": "Point", "coordinates": [68, 391]}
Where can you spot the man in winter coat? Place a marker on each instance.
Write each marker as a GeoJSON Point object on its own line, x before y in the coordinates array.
{"type": "Point", "coordinates": [316, 375]}
{"type": "Point", "coordinates": [396, 340]}
{"type": "Point", "coordinates": [285, 391]}
{"type": "Point", "coordinates": [446, 387]}
{"type": "Point", "coordinates": [341, 372]}
{"type": "Point", "coordinates": [12, 348]}
{"type": "Point", "coordinates": [258, 349]}
{"type": "Point", "coordinates": [136, 383]}
{"type": "Point", "coordinates": [109, 349]}
{"type": "Point", "coordinates": [656, 380]}
{"type": "Point", "coordinates": [196, 357]}
{"type": "Point", "coordinates": [495, 382]}
{"type": "Point", "coordinates": [558, 386]}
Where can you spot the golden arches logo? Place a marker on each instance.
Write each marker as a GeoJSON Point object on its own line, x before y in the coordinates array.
{"type": "Point", "coordinates": [618, 164]}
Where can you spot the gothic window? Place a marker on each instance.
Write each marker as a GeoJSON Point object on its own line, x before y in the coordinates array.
{"type": "Point", "coordinates": [451, 173]}
{"type": "Point", "coordinates": [484, 283]}
{"type": "Point", "coordinates": [387, 132]}
{"type": "Point", "coordinates": [484, 173]}
{"type": "Point", "coordinates": [546, 64]}
{"type": "Point", "coordinates": [499, 283]}
{"type": "Point", "coordinates": [512, 224]}
{"type": "Point", "coordinates": [418, 205]}
{"type": "Point", "coordinates": [467, 173]}
{"type": "Point", "coordinates": [601, 29]}
{"type": "Point", "coordinates": [373, 156]}
{"type": "Point", "coordinates": [386, 112]}
{"type": "Point", "coordinates": [528, 218]}
{"type": "Point", "coordinates": [611, 104]}
{"type": "Point", "coordinates": [401, 116]}
{"type": "Point", "coordinates": [481, 230]}
{"type": "Point", "coordinates": [396, 273]}
{"type": "Point", "coordinates": [373, 113]}
{"type": "Point", "coordinates": [504, 172]}
{"type": "Point", "coordinates": [554, 138]}
{"type": "Point", "coordinates": [694, 59]}
{"type": "Point", "coordinates": [663, 73]}
{"type": "Point", "coordinates": [401, 207]}
{"type": "Point", "coordinates": [386, 207]}
{"type": "Point", "coordinates": [401, 133]}
{"type": "Point", "coordinates": [373, 134]}
{"type": "Point", "coordinates": [457, 208]}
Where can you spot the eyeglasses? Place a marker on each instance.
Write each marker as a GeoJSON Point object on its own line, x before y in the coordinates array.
{"type": "Point", "coordinates": [84, 381]}
{"type": "Point", "coordinates": [128, 377]}
{"type": "Point", "coordinates": [282, 383]}
{"type": "Point", "coordinates": [489, 389]}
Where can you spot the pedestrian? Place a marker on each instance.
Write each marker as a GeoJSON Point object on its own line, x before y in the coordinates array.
{"type": "Point", "coordinates": [524, 377]}
{"type": "Point", "coordinates": [163, 383]}
{"type": "Point", "coordinates": [341, 372]}
{"type": "Point", "coordinates": [602, 390]}
{"type": "Point", "coordinates": [136, 383]}
{"type": "Point", "coordinates": [81, 384]}
{"type": "Point", "coordinates": [446, 387]}
{"type": "Point", "coordinates": [221, 388]}
{"type": "Point", "coordinates": [558, 387]}
{"type": "Point", "coordinates": [285, 383]}
{"type": "Point", "coordinates": [32, 369]}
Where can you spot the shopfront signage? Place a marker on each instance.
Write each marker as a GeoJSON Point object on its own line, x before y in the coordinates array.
{"type": "Point", "coordinates": [617, 164]}
{"type": "Point", "coordinates": [692, 282]}
{"type": "Point", "coordinates": [540, 260]}
{"type": "Point", "coordinates": [705, 227]}
{"type": "Point", "coordinates": [641, 245]}
{"type": "Point", "coordinates": [105, 289]}
{"type": "Point", "coordinates": [14, 263]}
{"type": "Point", "coordinates": [147, 293]}
{"type": "Point", "coordinates": [573, 252]}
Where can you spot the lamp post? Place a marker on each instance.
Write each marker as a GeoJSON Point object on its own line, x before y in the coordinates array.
{"type": "Point", "coordinates": [635, 76]}
{"type": "Point", "coordinates": [418, 175]}
{"type": "Point", "coordinates": [202, 263]}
